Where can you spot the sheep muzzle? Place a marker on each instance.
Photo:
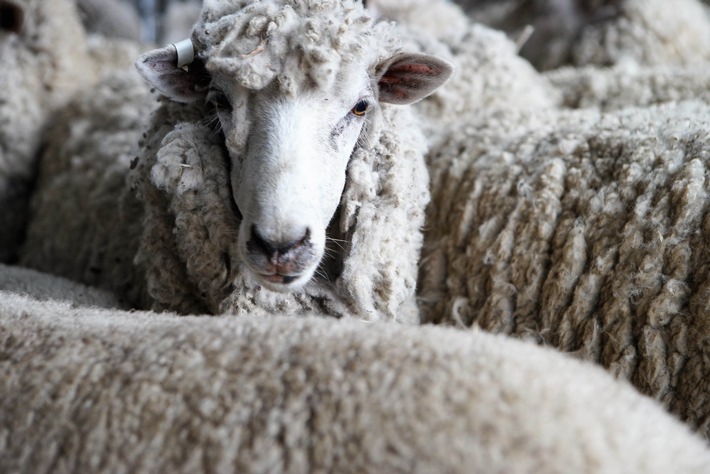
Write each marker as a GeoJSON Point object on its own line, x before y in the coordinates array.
{"type": "Point", "coordinates": [279, 262]}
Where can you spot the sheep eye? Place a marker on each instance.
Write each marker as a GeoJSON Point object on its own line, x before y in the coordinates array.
{"type": "Point", "coordinates": [219, 100]}
{"type": "Point", "coordinates": [361, 108]}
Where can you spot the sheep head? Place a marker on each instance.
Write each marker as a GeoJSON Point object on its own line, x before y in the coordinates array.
{"type": "Point", "coordinates": [295, 87]}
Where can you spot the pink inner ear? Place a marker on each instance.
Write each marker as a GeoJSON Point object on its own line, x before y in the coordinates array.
{"type": "Point", "coordinates": [401, 79]}
{"type": "Point", "coordinates": [411, 77]}
{"type": "Point", "coordinates": [407, 74]}
{"type": "Point", "coordinates": [415, 68]}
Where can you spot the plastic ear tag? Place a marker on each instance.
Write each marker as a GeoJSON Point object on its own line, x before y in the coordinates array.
{"type": "Point", "coordinates": [185, 52]}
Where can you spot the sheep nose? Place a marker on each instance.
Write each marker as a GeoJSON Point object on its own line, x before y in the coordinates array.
{"type": "Point", "coordinates": [271, 249]}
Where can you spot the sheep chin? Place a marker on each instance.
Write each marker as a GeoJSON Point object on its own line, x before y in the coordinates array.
{"type": "Point", "coordinates": [283, 284]}
{"type": "Point", "coordinates": [293, 286]}
{"type": "Point", "coordinates": [282, 279]}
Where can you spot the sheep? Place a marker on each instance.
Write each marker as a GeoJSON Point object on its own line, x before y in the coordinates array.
{"type": "Point", "coordinates": [627, 85]}
{"type": "Point", "coordinates": [545, 29]}
{"type": "Point", "coordinates": [284, 175]}
{"type": "Point", "coordinates": [649, 32]}
{"type": "Point", "coordinates": [44, 59]}
{"type": "Point", "coordinates": [146, 392]}
{"type": "Point", "coordinates": [489, 73]}
{"type": "Point", "coordinates": [585, 231]}
{"type": "Point", "coordinates": [15, 280]}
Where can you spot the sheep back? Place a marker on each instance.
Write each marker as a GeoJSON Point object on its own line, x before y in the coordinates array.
{"type": "Point", "coordinates": [311, 395]}
{"type": "Point", "coordinates": [628, 85]}
{"type": "Point", "coordinates": [489, 74]}
{"type": "Point", "coordinates": [601, 33]}
{"type": "Point", "coordinates": [584, 231]}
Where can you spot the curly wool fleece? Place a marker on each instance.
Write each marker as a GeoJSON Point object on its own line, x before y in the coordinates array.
{"type": "Point", "coordinates": [185, 257]}
{"type": "Point", "coordinates": [297, 44]}
{"type": "Point", "coordinates": [587, 231]}
{"type": "Point", "coordinates": [188, 242]}
{"type": "Point", "coordinates": [294, 42]}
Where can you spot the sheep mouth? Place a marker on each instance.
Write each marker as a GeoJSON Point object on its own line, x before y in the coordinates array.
{"type": "Point", "coordinates": [282, 283]}
{"type": "Point", "coordinates": [281, 276]}
{"type": "Point", "coordinates": [279, 279]}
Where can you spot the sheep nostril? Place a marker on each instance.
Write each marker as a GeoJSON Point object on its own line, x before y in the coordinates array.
{"type": "Point", "coordinates": [257, 243]}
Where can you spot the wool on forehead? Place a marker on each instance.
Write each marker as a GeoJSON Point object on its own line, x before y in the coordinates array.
{"type": "Point", "coordinates": [300, 43]}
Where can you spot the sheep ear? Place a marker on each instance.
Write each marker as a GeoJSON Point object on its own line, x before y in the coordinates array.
{"type": "Point", "coordinates": [409, 77]}
{"type": "Point", "coordinates": [12, 17]}
{"type": "Point", "coordinates": [160, 68]}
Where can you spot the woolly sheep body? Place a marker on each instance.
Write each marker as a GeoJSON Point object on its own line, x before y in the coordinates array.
{"type": "Point", "coordinates": [185, 260]}
{"type": "Point", "coordinates": [42, 64]}
{"type": "Point", "coordinates": [489, 73]}
{"type": "Point", "coordinates": [650, 32]}
{"type": "Point", "coordinates": [111, 18]}
{"type": "Point", "coordinates": [628, 86]}
{"type": "Point", "coordinates": [583, 230]}
{"type": "Point", "coordinates": [36, 285]}
{"type": "Point", "coordinates": [85, 224]}
{"type": "Point", "coordinates": [45, 63]}
{"type": "Point", "coordinates": [119, 19]}
{"type": "Point", "coordinates": [312, 395]}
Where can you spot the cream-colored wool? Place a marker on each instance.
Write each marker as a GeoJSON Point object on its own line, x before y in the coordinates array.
{"type": "Point", "coordinates": [585, 231]}
{"type": "Point", "coordinates": [182, 257]}
{"type": "Point", "coordinates": [649, 32]}
{"type": "Point", "coordinates": [489, 73]}
{"type": "Point", "coordinates": [110, 18]}
{"type": "Point", "coordinates": [629, 85]}
{"type": "Point", "coordinates": [89, 390]}
{"type": "Point", "coordinates": [178, 20]}
{"type": "Point", "coordinates": [50, 288]}
{"type": "Point", "coordinates": [44, 64]}
{"type": "Point", "coordinates": [41, 64]}
{"type": "Point", "coordinates": [85, 221]}
{"type": "Point", "coordinates": [601, 32]}
{"type": "Point", "coordinates": [109, 55]}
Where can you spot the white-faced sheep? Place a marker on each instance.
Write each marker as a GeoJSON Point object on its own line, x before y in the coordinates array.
{"type": "Point", "coordinates": [279, 178]}
{"type": "Point", "coordinates": [585, 231]}
{"type": "Point", "coordinates": [601, 32]}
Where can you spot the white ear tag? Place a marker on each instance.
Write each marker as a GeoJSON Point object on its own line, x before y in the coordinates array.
{"type": "Point", "coordinates": [185, 52]}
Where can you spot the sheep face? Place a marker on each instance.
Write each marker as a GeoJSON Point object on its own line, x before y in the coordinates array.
{"type": "Point", "coordinates": [291, 118]}
{"type": "Point", "coordinates": [289, 155]}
